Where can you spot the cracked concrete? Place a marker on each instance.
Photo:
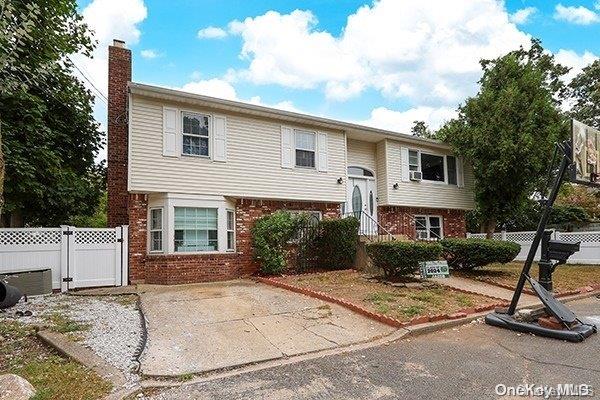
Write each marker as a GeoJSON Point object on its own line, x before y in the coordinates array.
{"type": "Point", "coordinates": [464, 362]}
{"type": "Point", "coordinates": [204, 327]}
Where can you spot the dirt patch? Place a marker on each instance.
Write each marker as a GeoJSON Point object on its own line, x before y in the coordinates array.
{"type": "Point", "coordinates": [566, 277]}
{"type": "Point", "coordinates": [53, 376]}
{"type": "Point", "coordinates": [402, 303]}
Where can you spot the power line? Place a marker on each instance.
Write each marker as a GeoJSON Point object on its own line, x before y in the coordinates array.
{"type": "Point", "coordinates": [89, 81]}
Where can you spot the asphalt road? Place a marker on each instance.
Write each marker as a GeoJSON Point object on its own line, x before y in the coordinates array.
{"type": "Point", "coordinates": [461, 363]}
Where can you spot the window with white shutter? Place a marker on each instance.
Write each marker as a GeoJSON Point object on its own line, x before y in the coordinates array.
{"type": "Point", "coordinates": [220, 138]}
{"type": "Point", "coordinates": [287, 135]}
{"type": "Point", "coordinates": [170, 132]}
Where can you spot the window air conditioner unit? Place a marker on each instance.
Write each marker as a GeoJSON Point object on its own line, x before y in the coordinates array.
{"type": "Point", "coordinates": [422, 235]}
{"type": "Point", "coordinates": [415, 175]}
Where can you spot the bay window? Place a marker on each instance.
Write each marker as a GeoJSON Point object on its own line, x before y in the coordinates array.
{"type": "Point", "coordinates": [195, 229]}
{"type": "Point", "coordinates": [230, 230]}
{"type": "Point", "coordinates": [156, 229]}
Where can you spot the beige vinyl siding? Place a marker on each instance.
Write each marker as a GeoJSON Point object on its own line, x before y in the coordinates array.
{"type": "Point", "coordinates": [362, 154]}
{"type": "Point", "coordinates": [382, 173]}
{"type": "Point", "coordinates": [253, 166]}
{"type": "Point", "coordinates": [424, 194]}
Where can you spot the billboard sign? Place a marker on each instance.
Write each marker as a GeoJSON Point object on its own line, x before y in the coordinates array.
{"type": "Point", "coordinates": [586, 154]}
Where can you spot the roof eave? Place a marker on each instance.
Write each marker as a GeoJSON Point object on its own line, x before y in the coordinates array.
{"type": "Point", "coordinates": [268, 112]}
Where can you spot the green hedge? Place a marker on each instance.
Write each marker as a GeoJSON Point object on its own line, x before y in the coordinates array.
{"type": "Point", "coordinates": [467, 254]}
{"type": "Point", "coordinates": [335, 242]}
{"type": "Point", "coordinates": [398, 258]}
{"type": "Point", "coordinates": [270, 237]}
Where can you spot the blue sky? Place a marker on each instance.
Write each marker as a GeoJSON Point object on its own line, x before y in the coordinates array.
{"type": "Point", "coordinates": [383, 63]}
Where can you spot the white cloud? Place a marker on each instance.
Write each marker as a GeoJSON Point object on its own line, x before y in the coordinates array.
{"type": "Point", "coordinates": [426, 51]}
{"type": "Point", "coordinates": [212, 32]}
{"type": "Point", "coordinates": [149, 53]}
{"type": "Point", "coordinates": [522, 16]}
{"type": "Point", "coordinates": [576, 62]}
{"type": "Point", "coordinates": [576, 15]}
{"type": "Point", "coordinates": [211, 87]}
{"type": "Point", "coordinates": [223, 89]}
{"type": "Point", "coordinates": [109, 19]}
{"type": "Point", "coordinates": [402, 121]}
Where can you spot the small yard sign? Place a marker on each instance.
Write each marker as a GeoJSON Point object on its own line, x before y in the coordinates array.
{"type": "Point", "coordinates": [434, 269]}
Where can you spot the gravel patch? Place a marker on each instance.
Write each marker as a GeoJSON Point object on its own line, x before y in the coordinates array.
{"type": "Point", "coordinates": [112, 325]}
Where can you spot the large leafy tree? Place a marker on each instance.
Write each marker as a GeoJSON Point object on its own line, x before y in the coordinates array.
{"type": "Point", "coordinates": [49, 136]}
{"type": "Point", "coordinates": [507, 131]}
{"type": "Point", "coordinates": [585, 94]}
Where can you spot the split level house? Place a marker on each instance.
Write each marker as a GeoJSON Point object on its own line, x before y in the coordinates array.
{"type": "Point", "coordinates": [190, 174]}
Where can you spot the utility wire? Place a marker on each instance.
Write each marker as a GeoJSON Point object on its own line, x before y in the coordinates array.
{"type": "Point", "coordinates": [88, 80]}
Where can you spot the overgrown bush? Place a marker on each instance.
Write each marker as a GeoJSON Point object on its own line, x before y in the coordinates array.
{"type": "Point", "coordinates": [334, 244]}
{"type": "Point", "coordinates": [270, 237]}
{"type": "Point", "coordinates": [467, 254]}
{"type": "Point", "coordinates": [398, 258]}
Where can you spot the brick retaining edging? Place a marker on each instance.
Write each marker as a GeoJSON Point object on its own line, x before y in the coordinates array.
{"type": "Point", "coordinates": [380, 317]}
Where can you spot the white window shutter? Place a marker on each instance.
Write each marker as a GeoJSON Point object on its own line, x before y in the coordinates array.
{"type": "Point", "coordinates": [219, 138]}
{"type": "Point", "coordinates": [287, 158]}
{"type": "Point", "coordinates": [170, 132]}
{"type": "Point", "coordinates": [323, 152]}
{"type": "Point", "coordinates": [460, 172]}
{"type": "Point", "coordinates": [404, 164]}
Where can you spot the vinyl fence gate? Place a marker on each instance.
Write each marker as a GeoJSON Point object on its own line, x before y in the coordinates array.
{"type": "Point", "coordinates": [78, 257]}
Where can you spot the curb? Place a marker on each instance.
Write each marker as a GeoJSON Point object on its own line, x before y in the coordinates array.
{"type": "Point", "coordinates": [84, 356]}
{"type": "Point", "coordinates": [384, 318]}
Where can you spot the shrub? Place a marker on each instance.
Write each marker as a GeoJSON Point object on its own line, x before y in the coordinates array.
{"type": "Point", "coordinates": [270, 237]}
{"type": "Point", "coordinates": [473, 253]}
{"type": "Point", "coordinates": [397, 258]}
{"type": "Point", "coordinates": [335, 242]}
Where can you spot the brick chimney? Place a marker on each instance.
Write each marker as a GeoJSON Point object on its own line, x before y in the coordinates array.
{"type": "Point", "coordinates": [119, 74]}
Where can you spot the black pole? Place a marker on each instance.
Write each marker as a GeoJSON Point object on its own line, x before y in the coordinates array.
{"type": "Point", "coordinates": [545, 264]}
{"type": "Point", "coordinates": [564, 165]}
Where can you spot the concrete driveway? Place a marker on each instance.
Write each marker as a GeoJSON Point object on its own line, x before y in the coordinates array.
{"type": "Point", "coordinates": [465, 362]}
{"type": "Point", "coordinates": [203, 327]}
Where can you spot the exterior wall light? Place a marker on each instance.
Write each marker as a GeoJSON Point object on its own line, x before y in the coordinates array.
{"type": "Point", "coordinates": [395, 186]}
{"type": "Point", "coordinates": [340, 180]}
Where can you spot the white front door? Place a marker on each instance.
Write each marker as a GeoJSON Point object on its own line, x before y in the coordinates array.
{"type": "Point", "coordinates": [362, 197]}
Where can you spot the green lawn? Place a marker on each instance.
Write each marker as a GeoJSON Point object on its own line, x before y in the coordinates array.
{"type": "Point", "coordinates": [53, 376]}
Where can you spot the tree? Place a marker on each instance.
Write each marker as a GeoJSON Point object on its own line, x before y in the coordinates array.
{"type": "Point", "coordinates": [421, 129]}
{"type": "Point", "coordinates": [50, 138]}
{"type": "Point", "coordinates": [581, 196]}
{"type": "Point", "coordinates": [507, 131]}
{"type": "Point", "coordinates": [585, 94]}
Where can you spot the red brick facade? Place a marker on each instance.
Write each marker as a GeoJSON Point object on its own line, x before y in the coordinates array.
{"type": "Point", "coordinates": [119, 74]}
{"type": "Point", "coordinates": [400, 220]}
{"type": "Point", "coordinates": [189, 268]}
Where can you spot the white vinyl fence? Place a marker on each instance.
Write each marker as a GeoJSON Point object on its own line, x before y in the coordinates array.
{"type": "Point", "coordinates": [78, 257]}
{"type": "Point", "coordinates": [589, 252]}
